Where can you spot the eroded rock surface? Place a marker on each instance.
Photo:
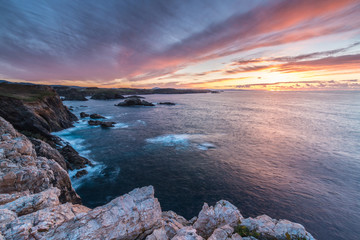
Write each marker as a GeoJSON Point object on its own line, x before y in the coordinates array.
{"type": "Point", "coordinates": [131, 216]}
{"type": "Point", "coordinates": [277, 228]}
{"type": "Point", "coordinates": [22, 170]}
{"type": "Point", "coordinates": [210, 218]}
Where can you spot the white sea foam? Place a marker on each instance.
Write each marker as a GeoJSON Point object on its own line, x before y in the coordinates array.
{"type": "Point", "coordinates": [170, 140]}
{"type": "Point", "coordinates": [120, 125]}
{"type": "Point", "coordinates": [206, 146]}
{"type": "Point", "coordinates": [92, 172]}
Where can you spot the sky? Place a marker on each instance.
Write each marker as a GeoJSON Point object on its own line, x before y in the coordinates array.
{"type": "Point", "coordinates": [217, 44]}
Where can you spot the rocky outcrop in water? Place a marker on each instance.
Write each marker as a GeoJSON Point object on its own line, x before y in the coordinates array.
{"type": "Point", "coordinates": [84, 115]}
{"type": "Point", "coordinates": [134, 102]}
{"type": "Point", "coordinates": [167, 103]}
{"type": "Point", "coordinates": [73, 159]}
{"type": "Point", "coordinates": [96, 116]}
{"type": "Point", "coordinates": [38, 202]}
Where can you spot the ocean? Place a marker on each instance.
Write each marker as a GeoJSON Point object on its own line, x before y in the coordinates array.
{"type": "Point", "coordinates": [291, 155]}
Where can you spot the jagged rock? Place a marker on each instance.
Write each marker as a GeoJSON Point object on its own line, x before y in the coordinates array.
{"type": "Point", "coordinates": [131, 216]}
{"type": "Point", "coordinates": [45, 150]}
{"type": "Point", "coordinates": [22, 170]}
{"type": "Point", "coordinates": [81, 173]}
{"type": "Point", "coordinates": [34, 202]}
{"type": "Point", "coordinates": [84, 115]}
{"type": "Point", "coordinates": [96, 116]}
{"type": "Point", "coordinates": [210, 218]}
{"type": "Point", "coordinates": [75, 161]}
{"type": "Point", "coordinates": [134, 102]}
{"type": "Point", "coordinates": [172, 223]}
{"type": "Point", "coordinates": [276, 228]}
{"type": "Point", "coordinates": [187, 233]}
{"type": "Point", "coordinates": [37, 224]}
{"type": "Point", "coordinates": [167, 103]}
{"type": "Point", "coordinates": [6, 216]}
{"type": "Point", "coordinates": [222, 233]}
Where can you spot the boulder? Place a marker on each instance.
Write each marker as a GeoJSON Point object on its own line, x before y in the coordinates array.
{"type": "Point", "coordinates": [131, 216]}
{"type": "Point", "coordinates": [187, 233]}
{"type": "Point", "coordinates": [282, 229]}
{"type": "Point", "coordinates": [34, 202]}
{"type": "Point", "coordinates": [107, 124]}
{"type": "Point", "coordinates": [81, 173]}
{"type": "Point", "coordinates": [84, 115]}
{"type": "Point", "coordinates": [36, 225]}
{"type": "Point", "coordinates": [210, 218]}
{"type": "Point", "coordinates": [74, 160]}
{"type": "Point", "coordinates": [96, 116]}
{"type": "Point", "coordinates": [134, 102]}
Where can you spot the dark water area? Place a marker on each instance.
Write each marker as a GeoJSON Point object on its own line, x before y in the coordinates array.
{"type": "Point", "coordinates": [292, 155]}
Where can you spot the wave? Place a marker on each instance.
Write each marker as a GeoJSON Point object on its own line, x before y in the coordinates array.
{"type": "Point", "coordinates": [170, 140]}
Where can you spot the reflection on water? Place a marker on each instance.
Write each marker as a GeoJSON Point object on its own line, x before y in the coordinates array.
{"type": "Point", "coordinates": [291, 155]}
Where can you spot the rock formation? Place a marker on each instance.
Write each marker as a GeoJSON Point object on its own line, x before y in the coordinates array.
{"type": "Point", "coordinates": [96, 116]}
{"type": "Point", "coordinates": [134, 102]}
{"type": "Point", "coordinates": [37, 116]}
{"type": "Point", "coordinates": [107, 95]}
{"type": "Point", "coordinates": [22, 170]}
{"type": "Point", "coordinates": [84, 115]}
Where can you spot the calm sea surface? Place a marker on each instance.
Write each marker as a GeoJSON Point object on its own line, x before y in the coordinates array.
{"type": "Point", "coordinates": [293, 155]}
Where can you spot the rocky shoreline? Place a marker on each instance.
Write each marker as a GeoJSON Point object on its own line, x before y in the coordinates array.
{"type": "Point", "coordinates": [37, 200]}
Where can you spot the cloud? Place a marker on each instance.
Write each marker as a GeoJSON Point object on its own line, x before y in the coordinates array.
{"type": "Point", "coordinates": [353, 84]}
{"type": "Point", "coordinates": [136, 41]}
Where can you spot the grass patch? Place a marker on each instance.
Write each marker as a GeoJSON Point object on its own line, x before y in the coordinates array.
{"type": "Point", "coordinates": [243, 231]}
{"type": "Point", "coordinates": [26, 93]}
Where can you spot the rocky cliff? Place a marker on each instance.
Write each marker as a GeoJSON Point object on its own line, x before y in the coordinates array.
{"type": "Point", "coordinates": [37, 201]}
{"type": "Point", "coordinates": [34, 109]}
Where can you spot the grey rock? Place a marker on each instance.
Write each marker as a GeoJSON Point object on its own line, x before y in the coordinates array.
{"type": "Point", "coordinates": [210, 218]}
{"type": "Point", "coordinates": [222, 233]}
{"type": "Point", "coordinates": [37, 224]}
{"type": "Point", "coordinates": [6, 216]}
{"type": "Point", "coordinates": [277, 228]}
{"type": "Point", "coordinates": [34, 202]}
{"type": "Point", "coordinates": [131, 216]}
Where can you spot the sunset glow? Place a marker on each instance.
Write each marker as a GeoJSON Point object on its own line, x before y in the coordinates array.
{"type": "Point", "coordinates": [262, 45]}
